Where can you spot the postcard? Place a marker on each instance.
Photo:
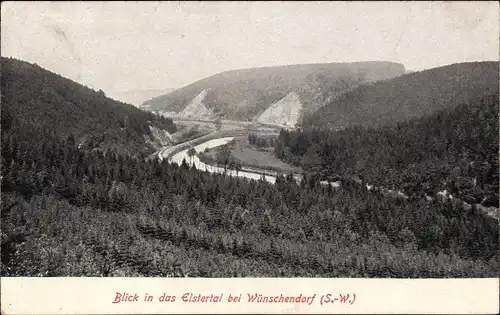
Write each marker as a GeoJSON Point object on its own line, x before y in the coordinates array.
{"type": "Point", "coordinates": [249, 157]}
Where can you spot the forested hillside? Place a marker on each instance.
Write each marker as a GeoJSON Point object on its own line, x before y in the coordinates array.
{"type": "Point", "coordinates": [453, 149]}
{"type": "Point", "coordinates": [73, 212]}
{"type": "Point", "coordinates": [409, 96]}
{"type": "Point", "coordinates": [33, 97]}
{"type": "Point", "coordinates": [243, 94]}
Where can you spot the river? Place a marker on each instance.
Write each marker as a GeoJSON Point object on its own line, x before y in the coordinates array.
{"type": "Point", "coordinates": [180, 156]}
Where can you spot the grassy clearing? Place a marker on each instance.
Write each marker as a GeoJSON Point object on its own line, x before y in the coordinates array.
{"type": "Point", "coordinates": [251, 156]}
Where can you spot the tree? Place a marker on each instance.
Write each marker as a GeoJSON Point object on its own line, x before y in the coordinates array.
{"type": "Point", "coordinates": [311, 160]}
{"type": "Point", "coordinates": [184, 164]}
{"type": "Point", "coordinates": [218, 124]}
{"type": "Point", "coordinates": [251, 138]}
{"type": "Point", "coordinates": [191, 152]}
{"type": "Point", "coordinates": [117, 195]}
{"type": "Point", "coordinates": [407, 239]}
{"type": "Point", "coordinates": [237, 167]}
{"type": "Point", "coordinates": [224, 157]}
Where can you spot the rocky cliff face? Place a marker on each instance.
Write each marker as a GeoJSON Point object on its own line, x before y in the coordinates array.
{"type": "Point", "coordinates": [196, 109]}
{"type": "Point", "coordinates": [159, 138]}
{"type": "Point", "coordinates": [285, 112]}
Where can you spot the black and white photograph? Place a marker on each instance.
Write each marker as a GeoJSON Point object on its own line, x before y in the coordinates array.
{"type": "Point", "coordinates": [250, 139]}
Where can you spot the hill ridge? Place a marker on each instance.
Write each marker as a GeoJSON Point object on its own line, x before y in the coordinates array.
{"type": "Point", "coordinates": [408, 96]}
{"type": "Point", "coordinates": [241, 94]}
{"type": "Point", "coordinates": [34, 97]}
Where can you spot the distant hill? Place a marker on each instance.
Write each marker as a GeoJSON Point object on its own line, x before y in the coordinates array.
{"type": "Point", "coordinates": [36, 101]}
{"type": "Point", "coordinates": [247, 93]}
{"type": "Point", "coordinates": [137, 97]}
{"type": "Point", "coordinates": [408, 96]}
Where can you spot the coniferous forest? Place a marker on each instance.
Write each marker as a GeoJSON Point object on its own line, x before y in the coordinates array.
{"type": "Point", "coordinates": [74, 210]}
{"type": "Point", "coordinates": [453, 149]}
{"type": "Point", "coordinates": [37, 97]}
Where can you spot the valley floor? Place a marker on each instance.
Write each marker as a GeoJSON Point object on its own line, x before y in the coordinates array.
{"type": "Point", "coordinates": [251, 156]}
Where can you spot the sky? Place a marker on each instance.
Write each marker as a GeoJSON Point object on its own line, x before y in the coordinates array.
{"type": "Point", "coordinates": [123, 46]}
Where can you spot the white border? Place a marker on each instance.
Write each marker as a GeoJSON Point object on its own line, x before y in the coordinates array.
{"type": "Point", "coordinates": [382, 296]}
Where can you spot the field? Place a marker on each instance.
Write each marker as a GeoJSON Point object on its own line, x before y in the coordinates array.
{"type": "Point", "coordinates": [251, 156]}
